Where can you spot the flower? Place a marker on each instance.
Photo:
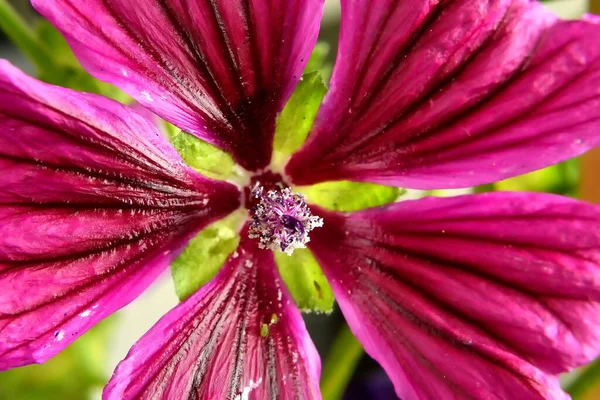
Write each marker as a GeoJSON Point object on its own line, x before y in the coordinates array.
{"type": "Point", "coordinates": [477, 296]}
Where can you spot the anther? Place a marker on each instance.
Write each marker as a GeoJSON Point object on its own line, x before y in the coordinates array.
{"type": "Point", "coordinates": [281, 220]}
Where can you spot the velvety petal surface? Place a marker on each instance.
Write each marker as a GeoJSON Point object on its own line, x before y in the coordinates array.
{"type": "Point", "coordinates": [219, 69]}
{"type": "Point", "coordinates": [478, 297]}
{"type": "Point", "coordinates": [446, 94]}
{"type": "Point", "coordinates": [238, 337]}
{"type": "Point", "coordinates": [94, 204]}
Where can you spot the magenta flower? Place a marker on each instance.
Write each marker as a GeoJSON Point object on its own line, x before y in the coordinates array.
{"type": "Point", "coordinates": [479, 296]}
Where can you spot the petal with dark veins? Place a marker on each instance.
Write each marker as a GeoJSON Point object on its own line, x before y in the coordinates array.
{"type": "Point", "coordinates": [239, 337]}
{"type": "Point", "coordinates": [450, 94]}
{"type": "Point", "coordinates": [219, 69]}
{"type": "Point", "coordinates": [94, 204]}
{"type": "Point", "coordinates": [481, 296]}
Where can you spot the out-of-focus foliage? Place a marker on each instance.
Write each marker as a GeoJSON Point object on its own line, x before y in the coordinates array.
{"type": "Point", "coordinates": [340, 363]}
{"type": "Point", "coordinates": [67, 71]}
{"type": "Point", "coordinates": [586, 385]}
{"type": "Point", "coordinates": [558, 179]}
{"type": "Point", "coordinates": [74, 374]}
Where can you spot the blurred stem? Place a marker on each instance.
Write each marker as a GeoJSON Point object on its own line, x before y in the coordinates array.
{"type": "Point", "coordinates": [485, 188]}
{"type": "Point", "coordinates": [340, 364]}
{"type": "Point", "coordinates": [23, 37]}
{"type": "Point", "coordinates": [585, 381]}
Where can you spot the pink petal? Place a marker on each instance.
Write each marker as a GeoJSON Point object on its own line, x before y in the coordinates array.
{"type": "Point", "coordinates": [94, 204]}
{"type": "Point", "coordinates": [481, 296]}
{"type": "Point", "coordinates": [239, 337]}
{"type": "Point", "coordinates": [432, 94]}
{"type": "Point", "coordinates": [220, 69]}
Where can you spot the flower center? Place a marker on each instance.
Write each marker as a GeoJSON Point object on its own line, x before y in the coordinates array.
{"type": "Point", "coordinates": [281, 219]}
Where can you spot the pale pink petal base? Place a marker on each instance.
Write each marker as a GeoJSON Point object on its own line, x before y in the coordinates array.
{"type": "Point", "coordinates": [94, 205]}
{"type": "Point", "coordinates": [238, 337]}
{"type": "Point", "coordinates": [482, 296]}
{"type": "Point", "coordinates": [446, 94]}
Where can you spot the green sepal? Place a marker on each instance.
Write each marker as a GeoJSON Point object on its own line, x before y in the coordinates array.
{"type": "Point", "coordinates": [305, 280]}
{"type": "Point", "coordinates": [318, 61]}
{"type": "Point", "coordinates": [205, 254]}
{"type": "Point", "coordinates": [205, 158]}
{"type": "Point", "coordinates": [66, 70]}
{"type": "Point", "coordinates": [296, 120]}
{"type": "Point", "coordinates": [170, 130]}
{"type": "Point", "coordinates": [347, 196]}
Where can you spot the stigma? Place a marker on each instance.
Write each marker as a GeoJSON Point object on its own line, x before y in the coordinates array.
{"type": "Point", "coordinates": [281, 220]}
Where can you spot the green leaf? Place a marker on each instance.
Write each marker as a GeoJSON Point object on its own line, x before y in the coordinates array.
{"type": "Point", "coordinates": [349, 196]}
{"type": "Point", "coordinates": [205, 254]}
{"type": "Point", "coordinates": [205, 158]}
{"type": "Point", "coordinates": [305, 280]}
{"type": "Point", "coordinates": [296, 119]}
{"type": "Point", "coordinates": [75, 373]}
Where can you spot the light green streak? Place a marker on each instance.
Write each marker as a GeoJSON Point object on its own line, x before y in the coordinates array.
{"type": "Point", "coordinates": [340, 364]}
